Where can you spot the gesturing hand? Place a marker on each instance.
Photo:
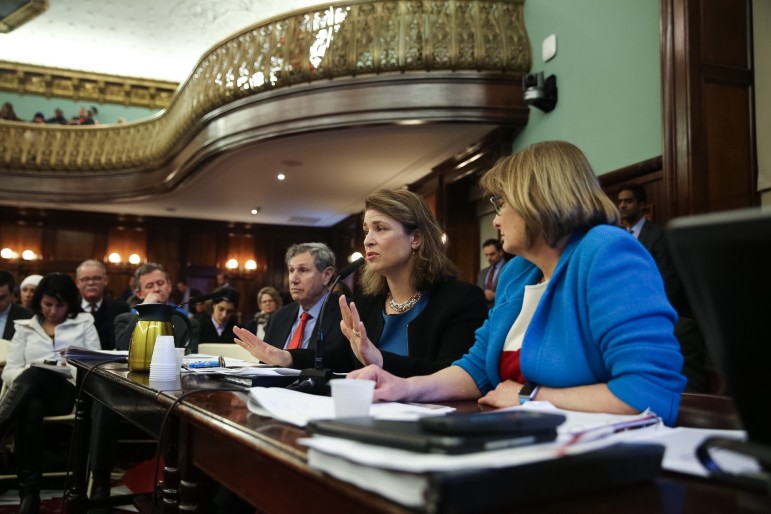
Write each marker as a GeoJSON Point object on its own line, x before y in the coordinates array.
{"type": "Point", "coordinates": [260, 349]}
{"type": "Point", "coordinates": [352, 328]}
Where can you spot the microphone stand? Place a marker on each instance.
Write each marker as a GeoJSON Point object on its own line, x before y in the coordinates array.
{"type": "Point", "coordinates": [316, 380]}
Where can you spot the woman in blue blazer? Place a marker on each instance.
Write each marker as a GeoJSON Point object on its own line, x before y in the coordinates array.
{"type": "Point", "coordinates": [581, 319]}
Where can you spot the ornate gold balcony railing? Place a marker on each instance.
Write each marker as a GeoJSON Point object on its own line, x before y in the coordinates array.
{"type": "Point", "coordinates": [306, 47]}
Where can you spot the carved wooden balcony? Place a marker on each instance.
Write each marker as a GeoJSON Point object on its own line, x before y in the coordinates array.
{"type": "Point", "coordinates": [338, 65]}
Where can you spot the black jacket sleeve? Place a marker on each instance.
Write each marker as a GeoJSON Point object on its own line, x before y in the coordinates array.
{"type": "Point", "coordinates": [439, 335]}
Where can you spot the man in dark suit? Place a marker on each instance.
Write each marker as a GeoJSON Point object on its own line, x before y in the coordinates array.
{"type": "Point", "coordinates": [91, 278]}
{"type": "Point", "coordinates": [311, 267]}
{"type": "Point", "coordinates": [632, 203]}
{"type": "Point", "coordinates": [154, 286]}
{"type": "Point", "coordinates": [9, 311]}
{"type": "Point", "coordinates": [487, 279]}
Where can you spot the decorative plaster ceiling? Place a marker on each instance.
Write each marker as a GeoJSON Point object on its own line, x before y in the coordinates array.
{"type": "Point", "coordinates": [151, 39]}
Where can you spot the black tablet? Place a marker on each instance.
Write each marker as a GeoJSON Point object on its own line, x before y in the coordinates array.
{"type": "Point", "coordinates": [414, 436]}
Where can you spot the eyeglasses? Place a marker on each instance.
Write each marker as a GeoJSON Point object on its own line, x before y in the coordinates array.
{"type": "Point", "coordinates": [497, 202]}
{"type": "Point", "coordinates": [86, 280]}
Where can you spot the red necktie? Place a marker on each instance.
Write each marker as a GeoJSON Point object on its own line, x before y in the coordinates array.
{"type": "Point", "coordinates": [490, 276]}
{"type": "Point", "coordinates": [297, 338]}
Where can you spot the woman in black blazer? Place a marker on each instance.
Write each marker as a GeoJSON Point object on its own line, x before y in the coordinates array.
{"type": "Point", "coordinates": [413, 317]}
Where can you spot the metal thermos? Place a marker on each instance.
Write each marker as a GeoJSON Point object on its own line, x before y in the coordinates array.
{"type": "Point", "coordinates": [154, 320]}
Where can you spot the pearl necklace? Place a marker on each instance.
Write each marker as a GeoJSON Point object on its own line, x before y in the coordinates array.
{"type": "Point", "coordinates": [405, 306]}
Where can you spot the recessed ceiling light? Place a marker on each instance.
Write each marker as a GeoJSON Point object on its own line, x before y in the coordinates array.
{"type": "Point", "coordinates": [256, 210]}
{"type": "Point", "coordinates": [281, 176]}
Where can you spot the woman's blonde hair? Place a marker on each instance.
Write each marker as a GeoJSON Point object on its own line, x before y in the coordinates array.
{"type": "Point", "coordinates": [551, 185]}
{"type": "Point", "coordinates": [429, 260]}
{"type": "Point", "coordinates": [273, 293]}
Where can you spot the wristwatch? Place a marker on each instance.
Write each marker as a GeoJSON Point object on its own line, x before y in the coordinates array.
{"type": "Point", "coordinates": [528, 392]}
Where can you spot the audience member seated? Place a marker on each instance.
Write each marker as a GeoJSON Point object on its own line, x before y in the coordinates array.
{"type": "Point", "coordinates": [269, 301]}
{"type": "Point", "coordinates": [91, 276]}
{"type": "Point", "coordinates": [413, 317]}
{"type": "Point", "coordinates": [85, 117]}
{"type": "Point", "coordinates": [633, 204]}
{"type": "Point", "coordinates": [218, 328]}
{"type": "Point", "coordinates": [36, 392]}
{"type": "Point", "coordinates": [7, 112]}
{"type": "Point", "coordinates": [9, 311]}
{"type": "Point", "coordinates": [27, 290]}
{"type": "Point", "coordinates": [58, 118]}
{"type": "Point", "coordinates": [581, 319]}
{"type": "Point", "coordinates": [154, 286]}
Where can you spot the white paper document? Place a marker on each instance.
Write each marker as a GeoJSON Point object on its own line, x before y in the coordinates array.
{"type": "Point", "coordinates": [298, 408]}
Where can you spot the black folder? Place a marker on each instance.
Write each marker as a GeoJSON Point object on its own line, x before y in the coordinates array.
{"type": "Point", "coordinates": [411, 435]}
{"type": "Point", "coordinates": [503, 488]}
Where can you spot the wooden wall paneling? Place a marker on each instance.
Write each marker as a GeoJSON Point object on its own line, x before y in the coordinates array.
{"type": "Point", "coordinates": [74, 244]}
{"type": "Point", "coordinates": [462, 229]}
{"type": "Point", "coordinates": [345, 238]}
{"type": "Point", "coordinates": [201, 248]}
{"type": "Point", "coordinates": [728, 147]}
{"type": "Point", "coordinates": [708, 146]}
{"type": "Point", "coordinates": [450, 187]}
{"type": "Point", "coordinates": [163, 242]}
{"type": "Point", "coordinates": [124, 241]}
{"type": "Point", "coordinates": [20, 237]}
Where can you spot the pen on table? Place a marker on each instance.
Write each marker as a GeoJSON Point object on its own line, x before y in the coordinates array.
{"type": "Point", "coordinates": [594, 433]}
{"type": "Point", "coordinates": [215, 363]}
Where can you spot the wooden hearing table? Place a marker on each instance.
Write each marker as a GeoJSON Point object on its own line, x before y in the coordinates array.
{"type": "Point", "coordinates": [213, 438]}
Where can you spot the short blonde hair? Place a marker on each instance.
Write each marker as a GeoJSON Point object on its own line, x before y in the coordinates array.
{"type": "Point", "coordinates": [273, 293]}
{"type": "Point", "coordinates": [430, 263]}
{"type": "Point", "coordinates": [552, 186]}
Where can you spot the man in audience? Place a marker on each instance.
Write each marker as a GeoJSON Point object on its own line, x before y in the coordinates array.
{"type": "Point", "coordinates": [91, 278]}
{"type": "Point", "coordinates": [9, 311]}
{"type": "Point", "coordinates": [154, 286]}
{"type": "Point", "coordinates": [633, 203]}
{"type": "Point", "coordinates": [183, 293]}
{"type": "Point", "coordinates": [58, 118]}
{"type": "Point", "coordinates": [488, 277]}
{"type": "Point", "coordinates": [311, 268]}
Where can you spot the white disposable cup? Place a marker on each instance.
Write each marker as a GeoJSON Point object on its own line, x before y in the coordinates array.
{"type": "Point", "coordinates": [163, 365]}
{"type": "Point", "coordinates": [352, 398]}
{"type": "Point", "coordinates": [180, 357]}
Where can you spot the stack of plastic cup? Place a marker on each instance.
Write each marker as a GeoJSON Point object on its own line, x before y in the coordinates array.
{"type": "Point", "coordinates": [163, 366]}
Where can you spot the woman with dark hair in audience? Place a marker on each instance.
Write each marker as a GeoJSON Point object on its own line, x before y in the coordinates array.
{"type": "Point", "coordinates": [580, 317]}
{"type": "Point", "coordinates": [36, 391]}
{"type": "Point", "coordinates": [269, 301]}
{"type": "Point", "coordinates": [418, 317]}
{"type": "Point", "coordinates": [7, 112]}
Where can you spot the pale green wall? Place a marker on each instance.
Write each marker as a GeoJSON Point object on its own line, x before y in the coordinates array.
{"type": "Point", "coordinates": [608, 76]}
{"type": "Point", "coordinates": [27, 105]}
